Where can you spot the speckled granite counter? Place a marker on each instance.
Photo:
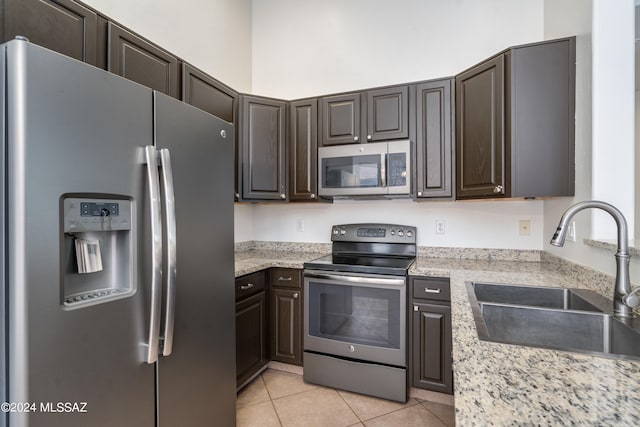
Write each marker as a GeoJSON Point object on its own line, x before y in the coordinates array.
{"type": "Point", "coordinates": [501, 384]}
{"type": "Point", "coordinates": [261, 255]}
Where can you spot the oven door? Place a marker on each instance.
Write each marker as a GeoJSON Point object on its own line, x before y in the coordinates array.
{"type": "Point", "coordinates": [356, 316]}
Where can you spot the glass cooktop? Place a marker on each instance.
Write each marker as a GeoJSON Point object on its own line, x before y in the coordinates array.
{"type": "Point", "coordinates": [369, 264]}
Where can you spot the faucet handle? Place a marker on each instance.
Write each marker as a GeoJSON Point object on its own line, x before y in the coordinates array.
{"type": "Point", "coordinates": [632, 299]}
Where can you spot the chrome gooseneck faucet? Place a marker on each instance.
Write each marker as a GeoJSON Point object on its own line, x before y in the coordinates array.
{"type": "Point", "coordinates": [624, 299]}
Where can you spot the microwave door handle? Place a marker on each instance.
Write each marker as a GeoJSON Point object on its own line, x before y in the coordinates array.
{"type": "Point", "coordinates": [383, 169]}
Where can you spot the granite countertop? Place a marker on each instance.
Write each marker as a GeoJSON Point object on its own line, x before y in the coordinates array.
{"type": "Point", "coordinates": [502, 384]}
{"type": "Point", "coordinates": [255, 260]}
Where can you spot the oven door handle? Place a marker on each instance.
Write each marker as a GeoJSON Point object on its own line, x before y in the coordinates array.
{"type": "Point", "coordinates": [357, 279]}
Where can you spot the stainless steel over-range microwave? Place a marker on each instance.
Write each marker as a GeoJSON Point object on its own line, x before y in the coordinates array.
{"type": "Point", "coordinates": [378, 168]}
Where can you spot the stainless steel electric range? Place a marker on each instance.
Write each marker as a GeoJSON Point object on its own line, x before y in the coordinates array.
{"type": "Point", "coordinates": [355, 304]}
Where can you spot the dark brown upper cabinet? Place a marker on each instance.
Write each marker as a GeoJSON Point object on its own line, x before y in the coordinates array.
{"type": "Point", "coordinates": [63, 26]}
{"type": "Point", "coordinates": [340, 119]}
{"type": "Point", "coordinates": [203, 91]}
{"type": "Point", "coordinates": [262, 149]}
{"type": "Point", "coordinates": [134, 58]}
{"type": "Point", "coordinates": [374, 115]}
{"type": "Point", "coordinates": [434, 150]}
{"type": "Point", "coordinates": [303, 150]}
{"type": "Point", "coordinates": [515, 123]}
{"type": "Point", "coordinates": [387, 113]}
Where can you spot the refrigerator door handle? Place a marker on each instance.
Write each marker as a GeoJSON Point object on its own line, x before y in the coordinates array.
{"type": "Point", "coordinates": [156, 253]}
{"type": "Point", "coordinates": [170, 250]}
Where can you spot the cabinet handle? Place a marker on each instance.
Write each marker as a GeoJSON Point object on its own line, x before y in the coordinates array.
{"type": "Point", "coordinates": [247, 286]}
{"type": "Point", "coordinates": [313, 196]}
{"type": "Point", "coordinates": [283, 196]}
{"type": "Point", "coordinates": [416, 308]}
{"type": "Point", "coordinates": [432, 291]}
{"type": "Point", "coordinates": [356, 139]}
{"type": "Point", "coordinates": [284, 279]}
{"type": "Point", "coordinates": [369, 137]}
{"type": "Point", "coordinates": [296, 295]}
{"type": "Point", "coordinates": [419, 193]}
{"type": "Point", "coordinates": [497, 189]}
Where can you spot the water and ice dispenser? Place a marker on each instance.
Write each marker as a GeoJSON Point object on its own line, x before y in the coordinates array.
{"type": "Point", "coordinates": [99, 242]}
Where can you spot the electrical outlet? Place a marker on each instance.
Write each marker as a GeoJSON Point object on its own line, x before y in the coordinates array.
{"type": "Point", "coordinates": [300, 225]}
{"type": "Point", "coordinates": [525, 227]}
{"type": "Point", "coordinates": [440, 226]}
{"type": "Point", "coordinates": [571, 233]}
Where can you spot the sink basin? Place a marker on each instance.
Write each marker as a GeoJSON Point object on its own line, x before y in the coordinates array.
{"type": "Point", "coordinates": [560, 329]}
{"type": "Point", "coordinates": [558, 318]}
{"type": "Point", "coordinates": [537, 296]}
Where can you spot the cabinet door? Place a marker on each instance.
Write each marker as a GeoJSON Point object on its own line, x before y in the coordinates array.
{"type": "Point", "coordinates": [303, 150]}
{"type": "Point", "coordinates": [388, 113]}
{"type": "Point", "coordinates": [432, 364]}
{"type": "Point", "coordinates": [286, 326]}
{"type": "Point", "coordinates": [340, 119]}
{"type": "Point", "coordinates": [251, 337]}
{"type": "Point", "coordinates": [263, 149]}
{"type": "Point", "coordinates": [433, 133]}
{"type": "Point", "coordinates": [63, 26]}
{"type": "Point", "coordinates": [208, 94]}
{"type": "Point", "coordinates": [134, 58]}
{"type": "Point", "coordinates": [480, 131]}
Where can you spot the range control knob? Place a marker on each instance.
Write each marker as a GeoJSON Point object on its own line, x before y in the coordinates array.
{"type": "Point", "coordinates": [336, 232]}
{"type": "Point", "coordinates": [343, 232]}
{"type": "Point", "coordinates": [400, 233]}
{"type": "Point", "coordinates": [393, 232]}
{"type": "Point", "coordinates": [409, 233]}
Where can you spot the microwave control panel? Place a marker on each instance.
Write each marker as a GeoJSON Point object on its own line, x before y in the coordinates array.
{"type": "Point", "coordinates": [397, 169]}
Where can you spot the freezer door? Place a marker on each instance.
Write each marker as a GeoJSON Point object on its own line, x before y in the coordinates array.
{"type": "Point", "coordinates": [196, 382]}
{"type": "Point", "coordinates": [72, 129]}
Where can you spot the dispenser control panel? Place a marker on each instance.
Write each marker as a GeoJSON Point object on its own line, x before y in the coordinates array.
{"type": "Point", "coordinates": [82, 215]}
{"type": "Point", "coordinates": [99, 209]}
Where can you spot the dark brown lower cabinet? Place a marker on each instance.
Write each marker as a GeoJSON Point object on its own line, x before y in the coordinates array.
{"type": "Point", "coordinates": [286, 315]}
{"type": "Point", "coordinates": [252, 331]}
{"type": "Point", "coordinates": [431, 362]}
{"type": "Point", "coordinates": [286, 326]}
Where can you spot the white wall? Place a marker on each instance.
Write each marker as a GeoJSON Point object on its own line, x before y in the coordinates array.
{"type": "Point", "coordinates": [309, 48]}
{"type": "Point", "coordinates": [320, 47]}
{"type": "Point", "coordinates": [472, 224]}
{"type": "Point", "coordinates": [564, 17]}
{"type": "Point", "coordinates": [613, 112]}
{"type": "Point", "coordinates": [215, 36]}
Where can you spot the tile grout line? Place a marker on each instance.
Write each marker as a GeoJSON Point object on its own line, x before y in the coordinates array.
{"type": "Point", "coordinates": [349, 406]}
{"type": "Point", "coordinates": [434, 414]}
{"type": "Point", "coordinates": [271, 399]}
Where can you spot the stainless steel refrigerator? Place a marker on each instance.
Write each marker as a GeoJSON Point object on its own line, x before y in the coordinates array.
{"type": "Point", "coordinates": [117, 257]}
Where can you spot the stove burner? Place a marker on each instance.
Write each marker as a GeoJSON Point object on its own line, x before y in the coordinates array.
{"type": "Point", "coordinates": [367, 264]}
{"type": "Point", "coordinates": [357, 249]}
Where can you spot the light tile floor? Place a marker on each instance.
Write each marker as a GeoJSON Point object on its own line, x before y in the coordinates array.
{"type": "Point", "coordinates": [278, 398]}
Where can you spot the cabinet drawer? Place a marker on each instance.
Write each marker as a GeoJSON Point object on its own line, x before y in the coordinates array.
{"type": "Point", "coordinates": [432, 288]}
{"type": "Point", "coordinates": [249, 284]}
{"type": "Point", "coordinates": [286, 277]}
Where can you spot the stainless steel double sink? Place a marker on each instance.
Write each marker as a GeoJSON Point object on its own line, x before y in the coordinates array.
{"type": "Point", "coordinates": [576, 320]}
